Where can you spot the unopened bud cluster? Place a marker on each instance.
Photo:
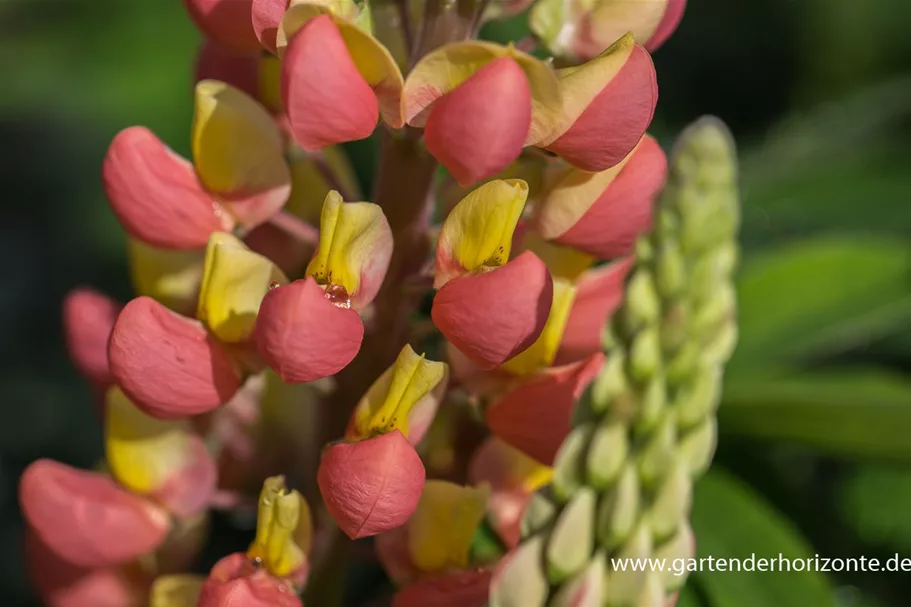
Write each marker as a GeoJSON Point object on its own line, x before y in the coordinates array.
{"type": "Point", "coordinates": [646, 427]}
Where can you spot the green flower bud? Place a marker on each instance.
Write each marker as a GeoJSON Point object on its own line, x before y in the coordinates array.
{"type": "Point", "coordinates": [569, 463]}
{"type": "Point", "coordinates": [652, 401]}
{"type": "Point", "coordinates": [606, 454]}
{"type": "Point", "coordinates": [610, 383]}
{"type": "Point", "coordinates": [657, 453]}
{"type": "Point", "coordinates": [624, 587]}
{"type": "Point", "coordinates": [670, 269]}
{"type": "Point", "coordinates": [619, 509]}
{"type": "Point", "coordinates": [697, 446]}
{"type": "Point", "coordinates": [521, 582]}
{"type": "Point", "coordinates": [652, 594]}
{"type": "Point", "coordinates": [572, 540]}
{"type": "Point", "coordinates": [698, 398]}
{"type": "Point", "coordinates": [645, 354]}
{"type": "Point", "coordinates": [643, 306]}
{"type": "Point", "coordinates": [672, 502]}
{"type": "Point", "coordinates": [539, 513]}
{"type": "Point", "coordinates": [586, 589]}
{"type": "Point", "coordinates": [681, 548]}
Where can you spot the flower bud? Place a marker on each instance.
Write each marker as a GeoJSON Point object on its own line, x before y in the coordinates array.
{"type": "Point", "coordinates": [480, 127]}
{"type": "Point", "coordinates": [85, 518]}
{"type": "Point", "coordinates": [619, 509]}
{"type": "Point", "coordinates": [408, 392]}
{"type": "Point", "coordinates": [519, 579]}
{"type": "Point", "coordinates": [373, 485]}
{"type": "Point", "coordinates": [168, 364]}
{"type": "Point", "coordinates": [227, 21]}
{"type": "Point", "coordinates": [603, 213]}
{"type": "Point", "coordinates": [624, 587]}
{"type": "Point", "coordinates": [303, 335]}
{"type": "Point", "coordinates": [608, 104]}
{"type": "Point", "coordinates": [59, 583]}
{"type": "Point", "coordinates": [456, 589]}
{"type": "Point", "coordinates": [88, 318]}
{"type": "Point", "coordinates": [327, 99]}
{"type": "Point", "coordinates": [156, 195]}
{"type": "Point", "coordinates": [535, 417]}
{"type": "Point", "coordinates": [571, 542]}
{"type": "Point", "coordinates": [170, 277]}
{"type": "Point", "coordinates": [266, 16]}
{"type": "Point", "coordinates": [284, 530]}
{"type": "Point", "coordinates": [586, 589]}
{"type": "Point", "coordinates": [235, 581]}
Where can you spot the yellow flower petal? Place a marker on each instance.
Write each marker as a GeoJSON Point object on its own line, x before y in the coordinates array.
{"type": "Point", "coordinates": [389, 402]}
{"type": "Point", "coordinates": [309, 187]}
{"type": "Point", "coordinates": [168, 276]}
{"type": "Point", "coordinates": [478, 232]}
{"type": "Point", "coordinates": [142, 452]}
{"type": "Point", "coordinates": [270, 88]}
{"type": "Point", "coordinates": [234, 282]}
{"type": "Point", "coordinates": [444, 69]}
{"type": "Point", "coordinates": [542, 353]}
{"type": "Point", "coordinates": [562, 261]}
{"type": "Point", "coordinates": [176, 590]}
{"type": "Point", "coordinates": [238, 152]}
{"type": "Point", "coordinates": [355, 246]}
{"type": "Point", "coordinates": [284, 529]}
{"type": "Point", "coordinates": [442, 527]}
{"type": "Point", "coordinates": [373, 61]}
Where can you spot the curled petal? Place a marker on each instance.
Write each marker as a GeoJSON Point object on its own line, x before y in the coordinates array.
{"type": "Point", "coordinates": [88, 318]}
{"type": "Point", "coordinates": [155, 193]}
{"type": "Point", "coordinates": [85, 518]}
{"type": "Point", "coordinates": [327, 99]}
{"type": "Point", "coordinates": [167, 276]}
{"type": "Point", "coordinates": [355, 246]}
{"type": "Point", "coordinates": [303, 335]}
{"type": "Point", "coordinates": [371, 486]}
{"type": "Point", "coordinates": [671, 18]}
{"type": "Point", "coordinates": [535, 417]}
{"type": "Point", "coordinates": [404, 389]}
{"type": "Point", "coordinates": [284, 529]}
{"type": "Point", "coordinates": [446, 68]}
{"type": "Point", "coordinates": [443, 525]}
{"type": "Point", "coordinates": [456, 589]}
{"type": "Point", "coordinates": [603, 213]}
{"type": "Point", "coordinates": [562, 261]}
{"type": "Point", "coordinates": [608, 104]}
{"type": "Point", "coordinates": [493, 316]}
{"type": "Point", "coordinates": [266, 16]}
{"type": "Point", "coordinates": [61, 584]}
{"type": "Point", "coordinates": [239, 153]}
{"type": "Point", "coordinates": [235, 581]}
{"type": "Point", "coordinates": [479, 128]}
{"type": "Point", "coordinates": [168, 364]}
{"type": "Point", "coordinates": [598, 295]}
{"type": "Point", "coordinates": [542, 352]}
{"type": "Point", "coordinates": [227, 21]}
{"type": "Point", "coordinates": [240, 69]}
{"type": "Point", "coordinates": [478, 233]}
{"type": "Point", "coordinates": [176, 591]}
{"type": "Point", "coordinates": [234, 282]}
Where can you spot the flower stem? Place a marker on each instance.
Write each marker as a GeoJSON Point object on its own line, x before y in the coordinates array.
{"type": "Point", "coordinates": [298, 228]}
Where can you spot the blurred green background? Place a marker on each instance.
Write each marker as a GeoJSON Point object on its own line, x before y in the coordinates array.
{"type": "Point", "coordinates": [815, 453]}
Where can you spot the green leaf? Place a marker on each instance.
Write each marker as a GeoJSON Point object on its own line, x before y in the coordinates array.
{"type": "Point", "coordinates": [689, 597]}
{"type": "Point", "coordinates": [821, 296]}
{"type": "Point", "coordinates": [843, 412]}
{"type": "Point", "coordinates": [875, 502]}
{"type": "Point", "coordinates": [731, 521]}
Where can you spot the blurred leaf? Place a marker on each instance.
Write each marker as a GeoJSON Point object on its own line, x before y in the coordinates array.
{"type": "Point", "coordinates": [847, 413]}
{"type": "Point", "coordinates": [821, 296]}
{"type": "Point", "coordinates": [689, 597]}
{"type": "Point", "coordinates": [876, 501]}
{"type": "Point", "coordinates": [731, 521]}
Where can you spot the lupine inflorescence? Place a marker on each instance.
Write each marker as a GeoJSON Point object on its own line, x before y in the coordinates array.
{"type": "Point", "coordinates": [430, 369]}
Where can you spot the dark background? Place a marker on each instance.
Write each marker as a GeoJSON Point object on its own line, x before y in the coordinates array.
{"type": "Point", "coordinates": [817, 92]}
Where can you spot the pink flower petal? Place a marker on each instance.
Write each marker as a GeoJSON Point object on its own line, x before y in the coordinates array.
{"type": "Point", "coordinates": [236, 582]}
{"type": "Point", "coordinates": [88, 318]}
{"type": "Point", "coordinates": [371, 486]}
{"type": "Point", "coordinates": [155, 193]}
{"type": "Point", "coordinates": [238, 68]}
{"type": "Point", "coordinates": [327, 99]}
{"type": "Point", "coordinates": [599, 294]}
{"type": "Point", "coordinates": [615, 120]}
{"type": "Point", "coordinates": [479, 129]}
{"type": "Point", "coordinates": [167, 364]}
{"type": "Point", "coordinates": [303, 336]}
{"type": "Point", "coordinates": [492, 316]}
{"type": "Point", "coordinates": [191, 490]}
{"type": "Point", "coordinates": [85, 518]}
{"type": "Point", "coordinates": [393, 553]}
{"type": "Point", "coordinates": [672, 17]}
{"type": "Point", "coordinates": [62, 584]}
{"type": "Point", "coordinates": [624, 210]}
{"type": "Point", "coordinates": [227, 21]}
{"type": "Point", "coordinates": [457, 589]}
{"type": "Point", "coordinates": [535, 417]}
{"type": "Point", "coordinates": [267, 14]}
